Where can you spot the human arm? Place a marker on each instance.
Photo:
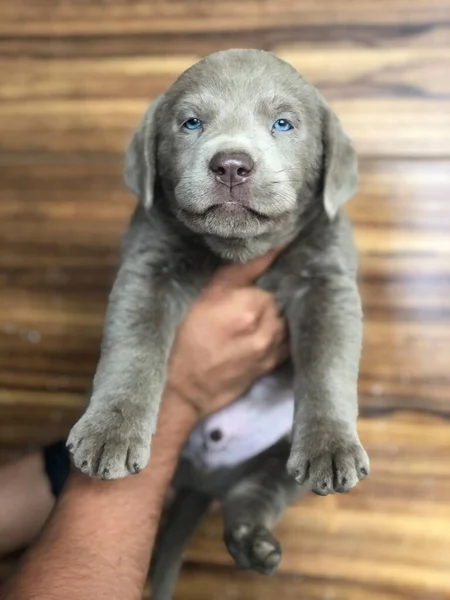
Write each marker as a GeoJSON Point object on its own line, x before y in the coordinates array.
{"type": "Point", "coordinates": [98, 542]}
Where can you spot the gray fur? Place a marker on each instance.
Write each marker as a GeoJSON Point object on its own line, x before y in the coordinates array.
{"type": "Point", "coordinates": [254, 496]}
{"type": "Point", "coordinates": [253, 506]}
{"type": "Point", "coordinates": [187, 224]}
{"type": "Point", "coordinates": [185, 513]}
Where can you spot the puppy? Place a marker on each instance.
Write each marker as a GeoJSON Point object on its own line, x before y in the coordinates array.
{"type": "Point", "coordinates": [241, 155]}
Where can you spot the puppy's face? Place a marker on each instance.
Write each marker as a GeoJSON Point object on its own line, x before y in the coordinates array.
{"type": "Point", "coordinates": [241, 137]}
{"type": "Point", "coordinates": [239, 143]}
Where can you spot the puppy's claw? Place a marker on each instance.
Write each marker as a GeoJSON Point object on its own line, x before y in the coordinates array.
{"type": "Point", "coordinates": [335, 462]}
{"type": "Point", "coordinates": [105, 445]}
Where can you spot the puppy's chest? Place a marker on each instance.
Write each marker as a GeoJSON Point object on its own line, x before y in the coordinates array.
{"type": "Point", "coordinates": [283, 284]}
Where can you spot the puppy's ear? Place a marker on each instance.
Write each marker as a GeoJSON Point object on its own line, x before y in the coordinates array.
{"type": "Point", "coordinates": [140, 157]}
{"type": "Point", "coordinates": [341, 164]}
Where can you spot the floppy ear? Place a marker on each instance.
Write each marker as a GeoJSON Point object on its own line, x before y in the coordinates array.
{"type": "Point", "coordinates": [140, 159]}
{"type": "Point", "coordinates": [341, 165]}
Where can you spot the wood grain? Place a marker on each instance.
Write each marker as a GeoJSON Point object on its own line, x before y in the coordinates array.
{"type": "Point", "coordinates": [82, 17]}
{"type": "Point", "coordinates": [379, 68]}
{"type": "Point", "coordinates": [198, 582]}
{"type": "Point", "coordinates": [76, 76]}
{"type": "Point", "coordinates": [85, 106]}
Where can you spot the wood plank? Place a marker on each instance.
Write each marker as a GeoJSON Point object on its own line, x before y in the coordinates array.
{"type": "Point", "coordinates": [200, 583]}
{"type": "Point", "coordinates": [338, 72]}
{"type": "Point", "coordinates": [296, 34]}
{"type": "Point", "coordinates": [91, 106]}
{"type": "Point", "coordinates": [83, 17]}
{"type": "Point", "coordinates": [29, 427]}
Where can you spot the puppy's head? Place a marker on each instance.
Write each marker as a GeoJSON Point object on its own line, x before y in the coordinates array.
{"type": "Point", "coordinates": [242, 147]}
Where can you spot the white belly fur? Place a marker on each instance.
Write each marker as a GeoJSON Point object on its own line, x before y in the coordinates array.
{"type": "Point", "coordinates": [248, 426]}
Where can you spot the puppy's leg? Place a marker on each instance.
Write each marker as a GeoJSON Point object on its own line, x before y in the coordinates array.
{"type": "Point", "coordinates": [325, 327]}
{"type": "Point", "coordinates": [112, 439]}
{"type": "Point", "coordinates": [250, 510]}
{"type": "Point", "coordinates": [184, 515]}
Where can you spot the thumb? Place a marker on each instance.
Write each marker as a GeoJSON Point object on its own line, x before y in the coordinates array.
{"type": "Point", "coordinates": [243, 274]}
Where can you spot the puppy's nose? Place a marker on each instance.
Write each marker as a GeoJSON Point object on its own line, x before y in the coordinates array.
{"type": "Point", "coordinates": [231, 168]}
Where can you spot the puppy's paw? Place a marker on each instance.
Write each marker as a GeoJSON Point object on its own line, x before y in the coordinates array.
{"type": "Point", "coordinates": [328, 461]}
{"type": "Point", "coordinates": [253, 547]}
{"type": "Point", "coordinates": [104, 444]}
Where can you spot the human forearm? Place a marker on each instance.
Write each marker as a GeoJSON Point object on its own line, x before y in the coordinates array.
{"type": "Point", "coordinates": [99, 540]}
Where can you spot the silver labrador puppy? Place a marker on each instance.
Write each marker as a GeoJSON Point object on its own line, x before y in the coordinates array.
{"type": "Point", "coordinates": [241, 155]}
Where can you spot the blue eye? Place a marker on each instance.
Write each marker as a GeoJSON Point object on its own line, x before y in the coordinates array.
{"type": "Point", "coordinates": [282, 125]}
{"type": "Point", "coordinates": [192, 124]}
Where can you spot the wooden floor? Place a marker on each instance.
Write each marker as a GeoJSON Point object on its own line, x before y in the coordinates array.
{"type": "Point", "coordinates": [75, 78]}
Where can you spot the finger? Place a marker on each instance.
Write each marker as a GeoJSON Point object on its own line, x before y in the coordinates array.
{"type": "Point", "coordinates": [259, 346]}
{"type": "Point", "coordinates": [271, 320]}
{"type": "Point", "coordinates": [242, 310]}
{"type": "Point", "coordinates": [277, 356]}
{"type": "Point", "coordinates": [268, 334]}
{"type": "Point", "coordinates": [241, 274]}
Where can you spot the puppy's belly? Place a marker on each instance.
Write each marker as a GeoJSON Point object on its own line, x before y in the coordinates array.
{"type": "Point", "coordinates": [245, 428]}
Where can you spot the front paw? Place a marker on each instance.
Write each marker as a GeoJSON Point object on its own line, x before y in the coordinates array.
{"type": "Point", "coordinates": [328, 460]}
{"type": "Point", "coordinates": [107, 445]}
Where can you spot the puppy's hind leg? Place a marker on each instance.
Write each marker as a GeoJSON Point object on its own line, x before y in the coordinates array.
{"type": "Point", "coordinates": [251, 508]}
{"type": "Point", "coordinates": [186, 511]}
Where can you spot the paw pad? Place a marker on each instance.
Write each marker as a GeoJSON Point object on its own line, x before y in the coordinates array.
{"type": "Point", "coordinates": [254, 547]}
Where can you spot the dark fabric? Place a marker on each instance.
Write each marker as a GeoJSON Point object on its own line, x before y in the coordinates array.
{"type": "Point", "coordinates": [57, 466]}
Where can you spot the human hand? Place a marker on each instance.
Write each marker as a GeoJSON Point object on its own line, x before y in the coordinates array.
{"type": "Point", "coordinates": [231, 336]}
